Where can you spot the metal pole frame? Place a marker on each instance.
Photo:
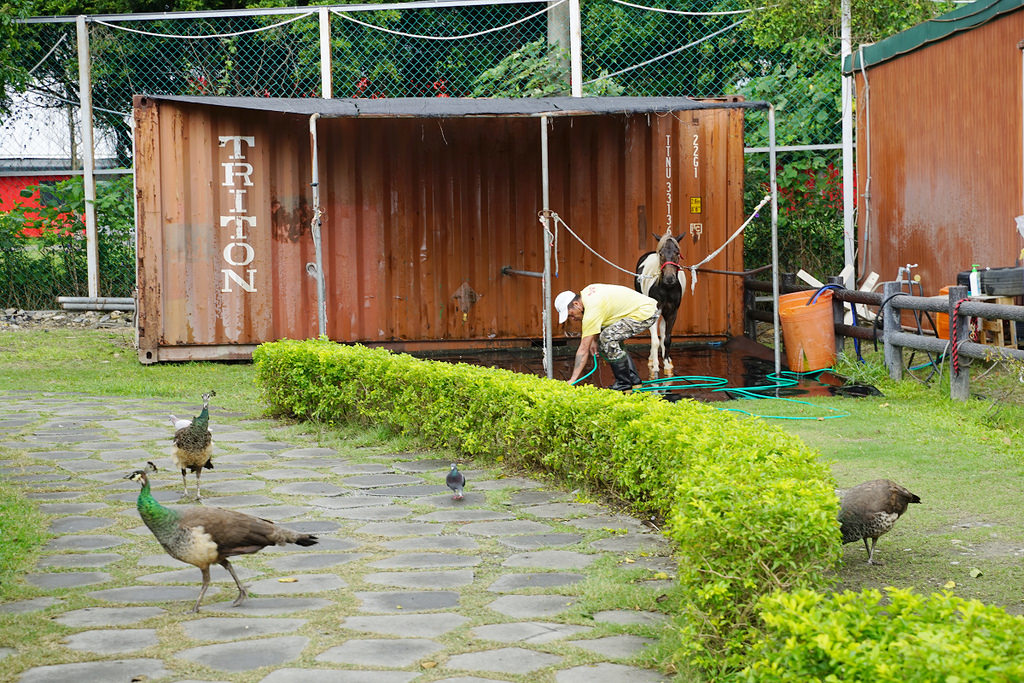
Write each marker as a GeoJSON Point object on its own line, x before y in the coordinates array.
{"type": "Point", "coordinates": [546, 221]}
{"type": "Point", "coordinates": [88, 160]}
{"type": "Point", "coordinates": [316, 269]}
{"type": "Point", "coordinates": [326, 86]}
{"type": "Point", "coordinates": [575, 50]}
{"type": "Point", "coordinates": [775, 236]}
{"type": "Point", "coordinates": [848, 163]}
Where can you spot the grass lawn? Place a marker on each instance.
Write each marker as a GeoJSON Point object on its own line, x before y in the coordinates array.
{"type": "Point", "coordinates": [964, 459]}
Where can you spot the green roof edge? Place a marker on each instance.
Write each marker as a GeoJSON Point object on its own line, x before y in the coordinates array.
{"type": "Point", "coordinates": [961, 19]}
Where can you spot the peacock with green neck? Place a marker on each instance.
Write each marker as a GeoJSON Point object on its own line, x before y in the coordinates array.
{"type": "Point", "coordinates": [202, 536]}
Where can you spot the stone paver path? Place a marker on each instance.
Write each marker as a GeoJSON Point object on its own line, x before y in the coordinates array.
{"type": "Point", "coordinates": [513, 583]}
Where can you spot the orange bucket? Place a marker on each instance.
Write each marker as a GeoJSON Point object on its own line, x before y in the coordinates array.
{"type": "Point", "coordinates": [808, 330]}
{"type": "Point", "coordinates": [942, 319]}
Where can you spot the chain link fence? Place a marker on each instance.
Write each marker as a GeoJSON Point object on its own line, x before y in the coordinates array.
{"type": "Point", "coordinates": [478, 49]}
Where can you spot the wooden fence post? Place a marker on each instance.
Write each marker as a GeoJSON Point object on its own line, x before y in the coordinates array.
{"type": "Point", "coordinates": [959, 382]}
{"type": "Point", "coordinates": [890, 326]}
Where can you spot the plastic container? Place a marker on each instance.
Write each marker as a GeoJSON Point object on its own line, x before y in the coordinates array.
{"type": "Point", "coordinates": [808, 330]}
{"type": "Point", "coordinates": [974, 280]}
{"type": "Point", "coordinates": [942, 319]}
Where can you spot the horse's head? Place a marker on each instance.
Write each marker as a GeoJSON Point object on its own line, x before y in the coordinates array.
{"type": "Point", "coordinates": [668, 254]}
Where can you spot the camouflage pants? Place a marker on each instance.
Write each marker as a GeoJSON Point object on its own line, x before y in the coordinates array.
{"type": "Point", "coordinates": [609, 341]}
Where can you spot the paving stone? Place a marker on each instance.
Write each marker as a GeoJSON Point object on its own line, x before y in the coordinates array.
{"type": "Point", "coordinates": [162, 495]}
{"type": "Point", "coordinates": [242, 459]}
{"type": "Point", "coordinates": [14, 422]}
{"type": "Point", "coordinates": [346, 502]}
{"type": "Point", "coordinates": [66, 579]}
{"type": "Point", "coordinates": [269, 607]}
{"type": "Point", "coordinates": [608, 673]}
{"type": "Point", "coordinates": [76, 524]}
{"type": "Point", "coordinates": [374, 513]}
{"type": "Point", "coordinates": [467, 679]}
{"type": "Point", "coordinates": [240, 501]}
{"type": "Point", "coordinates": [232, 486]}
{"type": "Point", "coordinates": [115, 671]}
{"type": "Point", "coordinates": [275, 513]}
{"type": "Point", "coordinates": [285, 473]}
{"type": "Point", "coordinates": [316, 463]}
{"type": "Point", "coordinates": [424, 580]}
{"type": "Point", "coordinates": [192, 575]}
{"type": "Point", "coordinates": [314, 452]}
{"type": "Point", "coordinates": [59, 455]}
{"type": "Point", "coordinates": [433, 543]}
{"type": "Point", "coordinates": [532, 606]}
{"type": "Point", "coordinates": [564, 511]}
{"type": "Point", "coordinates": [32, 605]}
{"type": "Point", "coordinates": [445, 500]}
{"type": "Point", "coordinates": [124, 453]}
{"type": "Point", "coordinates": [360, 468]}
{"type": "Point", "coordinates": [17, 468]}
{"type": "Point", "coordinates": [523, 498]}
{"type": "Point", "coordinates": [654, 563]}
{"type": "Point", "coordinates": [510, 482]}
{"type": "Point", "coordinates": [509, 660]}
{"type": "Point", "coordinates": [84, 542]}
{"type": "Point", "coordinates": [630, 543]}
{"type": "Point", "coordinates": [233, 628]}
{"type": "Point", "coordinates": [66, 436]}
{"type": "Point", "coordinates": [528, 632]}
{"type": "Point", "coordinates": [78, 560]}
{"type": "Point", "coordinates": [415, 491]}
{"type": "Point", "coordinates": [422, 465]}
{"type": "Point", "coordinates": [424, 560]}
{"type": "Point", "coordinates": [616, 522]}
{"type": "Point", "coordinates": [269, 446]}
{"type": "Point", "coordinates": [414, 625]}
{"type": "Point", "coordinates": [107, 616]}
{"type": "Point", "coordinates": [550, 559]}
{"type": "Point", "coordinates": [112, 641]}
{"type": "Point", "coordinates": [628, 616]}
{"type": "Point", "coordinates": [490, 529]}
{"type": "Point", "coordinates": [406, 601]}
{"type": "Point", "coordinates": [38, 478]}
{"type": "Point", "coordinates": [6, 652]}
{"type": "Point", "coordinates": [514, 582]}
{"type": "Point", "coordinates": [338, 676]}
{"type": "Point", "coordinates": [55, 495]}
{"type": "Point", "coordinates": [310, 488]}
{"type": "Point", "coordinates": [161, 560]}
{"type": "Point", "coordinates": [400, 529]}
{"type": "Point", "coordinates": [534, 541]}
{"type": "Point", "coordinates": [247, 655]}
{"type": "Point", "coordinates": [463, 515]}
{"type": "Point", "coordinates": [69, 508]}
{"type": "Point", "coordinates": [311, 561]}
{"type": "Point", "coordinates": [305, 583]}
{"type": "Point", "coordinates": [228, 434]}
{"type": "Point", "coordinates": [371, 481]}
{"type": "Point", "coordinates": [80, 466]}
{"type": "Point", "coordinates": [380, 652]}
{"type": "Point", "coordinates": [325, 543]}
{"type": "Point", "coordinates": [614, 647]}
{"type": "Point", "coordinates": [145, 594]}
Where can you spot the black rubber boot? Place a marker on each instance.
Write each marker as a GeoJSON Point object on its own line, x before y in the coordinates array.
{"type": "Point", "coordinates": [626, 376]}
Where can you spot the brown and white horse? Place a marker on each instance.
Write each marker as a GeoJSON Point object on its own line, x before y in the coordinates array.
{"type": "Point", "coordinates": [658, 276]}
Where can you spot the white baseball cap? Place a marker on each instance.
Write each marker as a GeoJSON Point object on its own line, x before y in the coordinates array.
{"type": "Point", "coordinates": [562, 302]}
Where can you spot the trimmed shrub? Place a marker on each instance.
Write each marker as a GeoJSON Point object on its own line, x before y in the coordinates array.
{"type": "Point", "coordinates": [900, 637]}
{"type": "Point", "coordinates": [751, 508]}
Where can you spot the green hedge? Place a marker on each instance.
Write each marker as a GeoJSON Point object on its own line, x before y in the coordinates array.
{"type": "Point", "coordinates": [897, 638]}
{"type": "Point", "coordinates": [751, 508]}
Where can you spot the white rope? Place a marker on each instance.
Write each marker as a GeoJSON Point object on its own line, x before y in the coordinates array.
{"type": "Point", "coordinates": [47, 55]}
{"type": "Point", "coordinates": [214, 35]}
{"type": "Point", "coordinates": [558, 219]}
{"type": "Point", "coordinates": [716, 252]}
{"type": "Point", "coordinates": [341, 14]}
{"type": "Point", "coordinates": [667, 54]}
{"type": "Point", "coordinates": [684, 13]}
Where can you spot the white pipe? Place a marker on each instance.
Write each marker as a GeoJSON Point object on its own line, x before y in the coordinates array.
{"type": "Point", "coordinates": [546, 220]}
{"type": "Point", "coordinates": [575, 50]}
{"type": "Point", "coordinates": [775, 236]}
{"type": "Point", "coordinates": [317, 269]}
{"type": "Point", "coordinates": [848, 182]}
{"type": "Point", "coordinates": [326, 87]}
{"type": "Point", "coordinates": [112, 300]}
{"type": "Point", "coordinates": [88, 162]}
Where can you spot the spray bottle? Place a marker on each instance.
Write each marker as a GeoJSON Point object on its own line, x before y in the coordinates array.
{"type": "Point", "coordinates": [975, 281]}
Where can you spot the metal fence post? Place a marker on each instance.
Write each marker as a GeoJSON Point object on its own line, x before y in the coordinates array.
{"type": "Point", "coordinates": [959, 382]}
{"type": "Point", "coordinates": [88, 160]}
{"type": "Point", "coordinates": [575, 49]}
{"type": "Point", "coordinates": [890, 326]}
{"type": "Point", "coordinates": [326, 87]}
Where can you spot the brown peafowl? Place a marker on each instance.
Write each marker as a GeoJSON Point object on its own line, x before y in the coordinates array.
{"type": "Point", "coordinates": [193, 445]}
{"type": "Point", "coordinates": [203, 536]}
{"type": "Point", "coordinates": [870, 510]}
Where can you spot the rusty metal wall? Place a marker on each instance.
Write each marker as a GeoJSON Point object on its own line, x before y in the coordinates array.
{"type": "Point", "coordinates": [945, 179]}
{"type": "Point", "coordinates": [420, 217]}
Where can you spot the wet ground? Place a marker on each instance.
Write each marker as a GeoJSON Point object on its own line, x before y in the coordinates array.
{"type": "Point", "coordinates": [716, 371]}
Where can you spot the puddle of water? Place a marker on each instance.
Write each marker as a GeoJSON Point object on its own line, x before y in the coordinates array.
{"type": "Point", "coordinates": [711, 369]}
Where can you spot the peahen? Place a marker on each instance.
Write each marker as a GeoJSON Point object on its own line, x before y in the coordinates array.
{"type": "Point", "coordinates": [193, 445]}
{"type": "Point", "coordinates": [870, 510]}
{"type": "Point", "coordinates": [206, 535]}
{"type": "Point", "coordinates": [456, 482]}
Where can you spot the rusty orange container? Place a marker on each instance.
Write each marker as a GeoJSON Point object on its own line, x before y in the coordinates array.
{"type": "Point", "coordinates": [942, 319]}
{"type": "Point", "coordinates": [808, 330]}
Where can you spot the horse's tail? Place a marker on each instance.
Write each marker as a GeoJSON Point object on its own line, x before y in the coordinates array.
{"type": "Point", "coordinates": [648, 269]}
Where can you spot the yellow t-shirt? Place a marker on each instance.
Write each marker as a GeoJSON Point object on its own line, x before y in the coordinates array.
{"type": "Point", "coordinates": [607, 304]}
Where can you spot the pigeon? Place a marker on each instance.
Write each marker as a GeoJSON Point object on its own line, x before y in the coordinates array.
{"type": "Point", "coordinates": [456, 481]}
